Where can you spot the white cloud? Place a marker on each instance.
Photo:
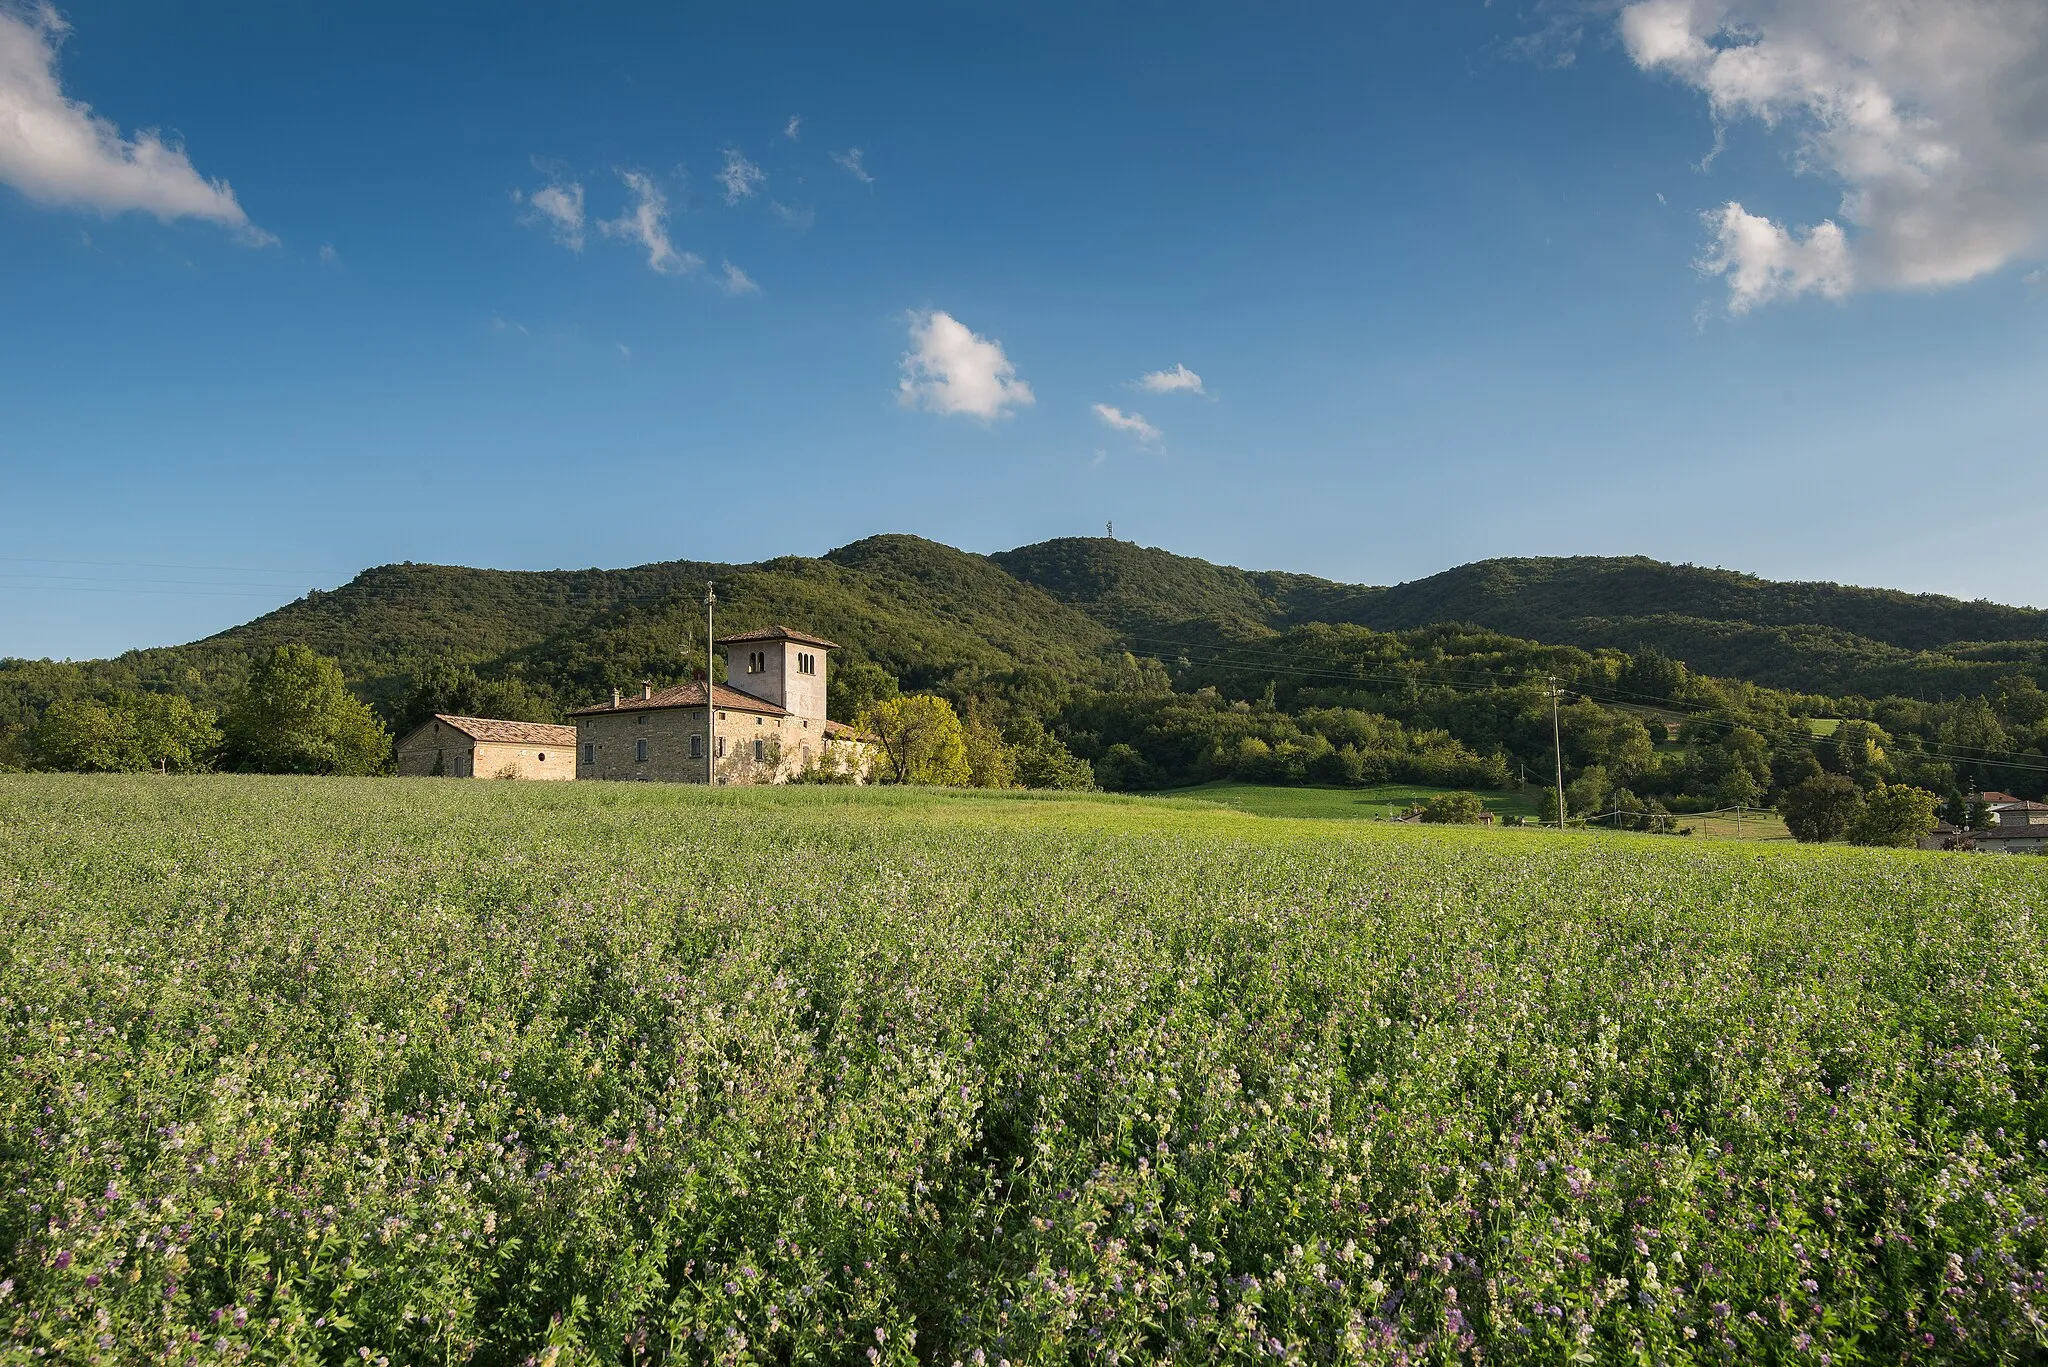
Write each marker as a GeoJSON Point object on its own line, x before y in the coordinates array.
{"type": "Point", "coordinates": [736, 281]}
{"type": "Point", "coordinates": [850, 159]}
{"type": "Point", "coordinates": [1762, 261]}
{"type": "Point", "coordinates": [1177, 380]}
{"type": "Point", "coordinates": [789, 129]}
{"type": "Point", "coordinates": [949, 369]}
{"type": "Point", "coordinates": [329, 256]}
{"type": "Point", "coordinates": [624, 350]}
{"type": "Point", "coordinates": [558, 207]}
{"type": "Point", "coordinates": [647, 223]}
{"type": "Point", "coordinates": [799, 219]}
{"type": "Point", "coordinates": [1932, 115]}
{"type": "Point", "coordinates": [1144, 432]}
{"type": "Point", "coordinates": [55, 150]}
{"type": "Point", "coordinates": [740, 177]}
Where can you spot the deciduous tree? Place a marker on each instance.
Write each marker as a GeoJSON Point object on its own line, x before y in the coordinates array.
{"type": "Point", "coordinates": [921, 739]}
{"type": "Point", "coordinates": [295, 716]}
{"type": "Point", "coordinates": [1820, 808]}
{"type": "Point", "coordinates": [1894, 814]}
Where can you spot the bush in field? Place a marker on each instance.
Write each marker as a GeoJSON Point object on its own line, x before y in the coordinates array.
{"type": "Point", "coordinates": [296, 716]}
{"type": "Point", "coordinates": [330, 1070]}
{"type": "Point", "coordinates": [1454, 809]}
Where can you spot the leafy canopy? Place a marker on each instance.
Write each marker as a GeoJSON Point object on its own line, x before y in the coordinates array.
{"type": "Point", "coordinates": [297, 717]}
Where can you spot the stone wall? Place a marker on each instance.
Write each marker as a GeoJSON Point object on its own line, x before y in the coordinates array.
{"type": "Point", "coordinates": [608, 746]}
{"type": "Point", "coordinates": [497, 759]}
{"type": "Point", "coordinates": [461, 757]}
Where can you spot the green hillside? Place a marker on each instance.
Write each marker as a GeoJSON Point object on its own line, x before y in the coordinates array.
{"type": "Point", "coordinates": [1522, 596]}
{"type": "Point", "coordinates": [1062, 613]}
{"type": "Point", "coordinates": [1808, 637]}
{"type": "Point", "coordinates": [1148, 593]}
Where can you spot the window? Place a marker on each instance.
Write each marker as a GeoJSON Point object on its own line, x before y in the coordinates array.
{"type": "Point", "coordinates": [757, 662]}
{"type": "Point", "coordinates": [806, 664]}
{"type": "Point", "coordinates": [641, 719]}
{"type": "Point", "coordinates": [590, 752]}
{"type": "Point", "coordinates": [640, 750]}
{"type": "Point", "coordinates": [543, 757]}
{"type": "Point", "coordinates": [760, 751]}
{"type": "Point", "coordinates": [721, 747]}
{"type": "Point", "coordinates": [696, 747]}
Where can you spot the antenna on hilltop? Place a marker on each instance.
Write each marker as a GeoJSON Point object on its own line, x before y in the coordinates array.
{"type": "Point", "coordinates": [1109, 530]}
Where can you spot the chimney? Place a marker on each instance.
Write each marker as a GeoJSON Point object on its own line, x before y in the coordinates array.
{"type": "Point", "coordinates": [646, 689]}
{"type": "Point", "coordinates": [615, 697]}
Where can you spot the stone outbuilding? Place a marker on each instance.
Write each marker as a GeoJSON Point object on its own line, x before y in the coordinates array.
{"type": "Point", "coordinates": [770, 722]}
{"type": "Point", "coordinates": [485, 747]}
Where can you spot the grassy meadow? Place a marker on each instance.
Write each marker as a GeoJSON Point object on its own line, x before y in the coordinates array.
{"type": "Point", "coordinates": [1376, 803]}
{"type": "Point", "coordinates": [323, 1071]}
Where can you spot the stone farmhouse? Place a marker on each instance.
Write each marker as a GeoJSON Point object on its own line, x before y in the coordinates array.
{"type": "Point", "coordinates": [484, 747]}
{"type": "Point", "coordinates": [2017, 827]}
{"type": "Point", "coordinates": [770, 721]}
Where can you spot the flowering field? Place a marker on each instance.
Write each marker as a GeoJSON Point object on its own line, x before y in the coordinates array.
{"type": "Point", "coordinates": [303, 1070]}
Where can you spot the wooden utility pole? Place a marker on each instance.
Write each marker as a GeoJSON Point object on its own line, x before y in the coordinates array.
{"type": "Point", "coordinates": [1557, 748]}
{"type": "Point", "coordinates": [710, 701]}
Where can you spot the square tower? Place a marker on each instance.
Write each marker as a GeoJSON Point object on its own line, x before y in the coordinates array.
{"type": "Point", "coordinates": [780, 666]}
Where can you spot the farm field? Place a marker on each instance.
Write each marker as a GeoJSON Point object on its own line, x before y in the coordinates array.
{"type": "Point", "coordinates": [314, 1070]}
{"type": "Point", "coordinates": [1375, 803]}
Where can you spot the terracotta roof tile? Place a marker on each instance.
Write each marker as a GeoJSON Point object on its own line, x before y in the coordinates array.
{"type": "Point", "coordinates": [685, 695]}
{"type": "Point", "coordinates": [779, 634]}
{"type": "Point", "coordinates": [510, 732]}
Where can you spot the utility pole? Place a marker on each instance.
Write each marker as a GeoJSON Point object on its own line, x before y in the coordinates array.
{"type": "Point", "coordinates": [710, 708]}
{"type": "Point", "coordinates": [1557, 748]}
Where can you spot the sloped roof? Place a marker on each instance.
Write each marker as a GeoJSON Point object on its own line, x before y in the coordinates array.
{"type": "Point", "coordinates": [779, 634]}
{"type": "Point", "coordinates": [510, 732]}
{"type": "Point", "coordinates": [686, 695]}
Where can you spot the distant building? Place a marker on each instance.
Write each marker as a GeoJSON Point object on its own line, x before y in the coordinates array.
{"type": "Point", "coordinates": [770, 715]}
{"type": "Point", "coordinates": [2017, 827]}
{"type": "Point", "coordinates": [485, 747]}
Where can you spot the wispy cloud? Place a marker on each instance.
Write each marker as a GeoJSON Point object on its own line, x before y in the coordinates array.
{"type": "Point", "coordinates": [799, 219]}
{"type": "Point", "coordinates": [1144, 433]}
{"type": "Point", "coordinates": [1179, 380]}
{"type": "Point", "coordinates": [851, 160]}
{"type": "Point", "coordinates": [740, 177]}
{"type": "Point", "coordinates": [329, 256]}
{"type": "Point", "coordinates": [557, 207]}
{"type": "Point", "coordinates": [950, 369]}
{"type": "Point", "coordinates": [55, 150]}
{"type": "Point", "coordinates": [646, 222]}
{"type": "Point", "coordinates": [789, 130]}
{"type": "Point", "coordinates": [735, 281]}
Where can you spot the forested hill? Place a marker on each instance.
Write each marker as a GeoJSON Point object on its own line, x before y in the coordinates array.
{"type": "Point", "coordinates": [929, 613]}
{"type": "Point", "coordinates": [1812, 637]}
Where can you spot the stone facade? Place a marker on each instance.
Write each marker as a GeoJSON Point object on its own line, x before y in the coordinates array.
{"type": "Point", "coordinates": [771, 722]}
{"type": "Point", "coordinates": [486, 747]}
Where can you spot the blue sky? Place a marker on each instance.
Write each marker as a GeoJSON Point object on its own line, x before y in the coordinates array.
{"type": "Point", "coordinates": [284, 295]}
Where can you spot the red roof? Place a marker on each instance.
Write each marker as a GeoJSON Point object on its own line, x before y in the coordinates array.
{"type": "Point", "coordinates": [685, 695]}
{"type": "Point", "coordinates": [510, 732]}
{"type": "Point", "coordinates": [1992, 797]}
{"type": "Point", "coordinates": [779, 634]}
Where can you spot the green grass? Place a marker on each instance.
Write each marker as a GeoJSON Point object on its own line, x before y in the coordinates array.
{"type": "Point", "coordinates": [1354, 804]}
{"type": "Point", "coordinates": [314, 1071]}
